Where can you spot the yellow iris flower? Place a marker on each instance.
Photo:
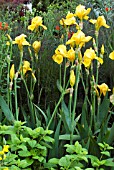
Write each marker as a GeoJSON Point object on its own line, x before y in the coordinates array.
{"type": "Point", "coordinates": [71, 55]}
{"type": "Point", "coordinates": [81, 12]}
{"type": "Point", "coordinates": [89, 56]}
{"type": "Point", "coordinates": [111, 55]}
{"type": "Point", "coordinates": [20, 41]}
{"type": "Point", "coordinates": [72, 78]}
{"type": "Point", "coordinates": [60, 52]}
{"type": "Point", "coordinates": [99, 23]}
{"type": "Point", "coordinates": [79, 39]}
{"type": "Point", "coordinates": [12, 72]}
{"type": "Point", "coordinates": [36, 22]}
{"type": "Point", "coordinates": [103, 88]}
{"type": "Point", "coordinates": [25, 67]}
{"type": "Point", "coordinates": [36, 46]}
{"type": "Point", "coordinates": [69, 20]}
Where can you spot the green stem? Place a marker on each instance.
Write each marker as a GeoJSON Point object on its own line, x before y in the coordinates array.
{"type": "Point", "coordinates": [64, 78]}
{"type": "Point", "coordinates": [8, 79]}
{"type": "Point", "coordinates": [30, 103]}
{"type": "Point", "coordinates": [70, 105]}
{"type": "Point", "coordinates": [75, 99]}
{"type": "Point", "coordinates": [55, 110]}
{"type": "Point", "coordinates": [60, 75]}
{"type": "Point", "coordinates": [21, 57]}
{"type": "Point", "coordinates": [97, 71]}
{"type": "Point", "coordinates": [76, 89]}
{"type": "Point", "coordinates": [16, 103]}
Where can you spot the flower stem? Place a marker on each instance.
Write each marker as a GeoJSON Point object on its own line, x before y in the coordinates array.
{"type": "Point", "coordinates": [55, 110]}
{"type": "Point", "coordinates": [15, 89]}
{"type": "Point", "coordinates": [78, 67]}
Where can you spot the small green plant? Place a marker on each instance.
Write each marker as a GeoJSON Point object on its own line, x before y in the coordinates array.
{"type": "Point", "coordinates": [27, 147]}
{"type": "Point", "coordinates": [105, 159]}
{"type": "Point", "coordinates": [77, 158]}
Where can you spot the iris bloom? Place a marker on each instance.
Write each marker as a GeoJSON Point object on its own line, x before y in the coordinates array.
{"type": "Point", "coordinates": [69, 20]}
{"type": "Point", "coordinates": [60, 52]}
{"type": "Point", "coordinates": [36, 22]}
{"type": "Point", "coordinates": [89, 56]}
{"type": "Point", "coordinates": [20, 41]}
{"type": "Point", "coordinates": [12, 72]}
{"type": "Point", "coordinates": [81, 12]}
{"type": "Point", "coordinates": [79, 39]}
{"type": "Point", "coordinates": [111, 55]}
{"type": "Point", "coordinates": [99, 22]}
{"type": "Point", "coordinates": [72, 78]}
{"type": "Point", "coordinates": [26, 67]}
{"type": "Point", "coordinates": [36, 46]}
{"type": "Point", "coordinates": [71, 55]}
{"type": "Point", "coordinates": [103, 88]}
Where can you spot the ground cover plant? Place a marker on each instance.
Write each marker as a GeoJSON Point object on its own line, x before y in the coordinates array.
{"type": "Point", "coordinates": [76, 131]}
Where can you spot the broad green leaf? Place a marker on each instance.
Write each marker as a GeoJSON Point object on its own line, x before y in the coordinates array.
{"type": "Point", "coordinates": [70, 148]}
{"type": "Point", "coordinates": [10, 158]}
{"type": "Point", "coordinates": [22, 146]}
{"type": "Point", "coordinates": [103, 110]}
{"type": "Point", "coordinates": [111, 135]}
{"type": "Point", "coordinates": [64, 162]}
{"type": "Point", "coordinates": [25, 163]}
{"type": "Point", "coordinates": [40, 146]}
{"type": "Point", "coordinates": [24, 153]}
{"type": "Point", "coordinates": [40, 158]}
{"type": "Point", "coordinates": [105, 153]}
{"type": "Point", "coordinates": [6, 110]}
{"type": "Point", "coordinates": [49, 132]}
{"type": "Point", "coordinates": [24, 139]}
{"type": "Point", "coordinates": [54, 161]}
{"type": "Point", "coordinates": [101, 145]}
{"type": "Point", "coordinates": [84, 114]}
{"type": "Point", "coordinates": [109, 162]}
{"type": "Point", "coordinates": [67, 137]}
{"type": "Point", "coordinates": [82, 157]}
{"type": "Point", "coordinates": [103, 131]}
{"type": "Point", "coordinates": [48, 139]}
{"type": "Point", "coordinates": [29, 130]}
{"type": "Point", "coordinates": [66, 117]}
{"type": "Point", "coordinates": [13, 167]}
{"type": "Point", "coordinates": [94, 148]}
{"type": "Point", "coordinates": [46, 145]}
{"type": "Point", "coordinates": [55, 150]}
{"type": "Point", "coordinates": [32, 143]}
{"type": "Point", "coordinates": [14, 139]}
{"type": "Point", "coordinates": [83, 132]}
{"type": "Point", "coordinates": [39, 130]}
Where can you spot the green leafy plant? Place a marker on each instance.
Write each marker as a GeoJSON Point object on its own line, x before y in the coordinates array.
{"type": "Point", "coordinates": [28, 148]}
{"type": "Point", "coordinates": [78, 158]}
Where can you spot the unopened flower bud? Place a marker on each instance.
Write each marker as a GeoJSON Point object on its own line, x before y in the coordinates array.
{"type": "Point", "coordinates": [102, 49]}
{"type": "Point", "coordinates": [36, 45]}
{"type": "Point", "coordinates": [72, 78]}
